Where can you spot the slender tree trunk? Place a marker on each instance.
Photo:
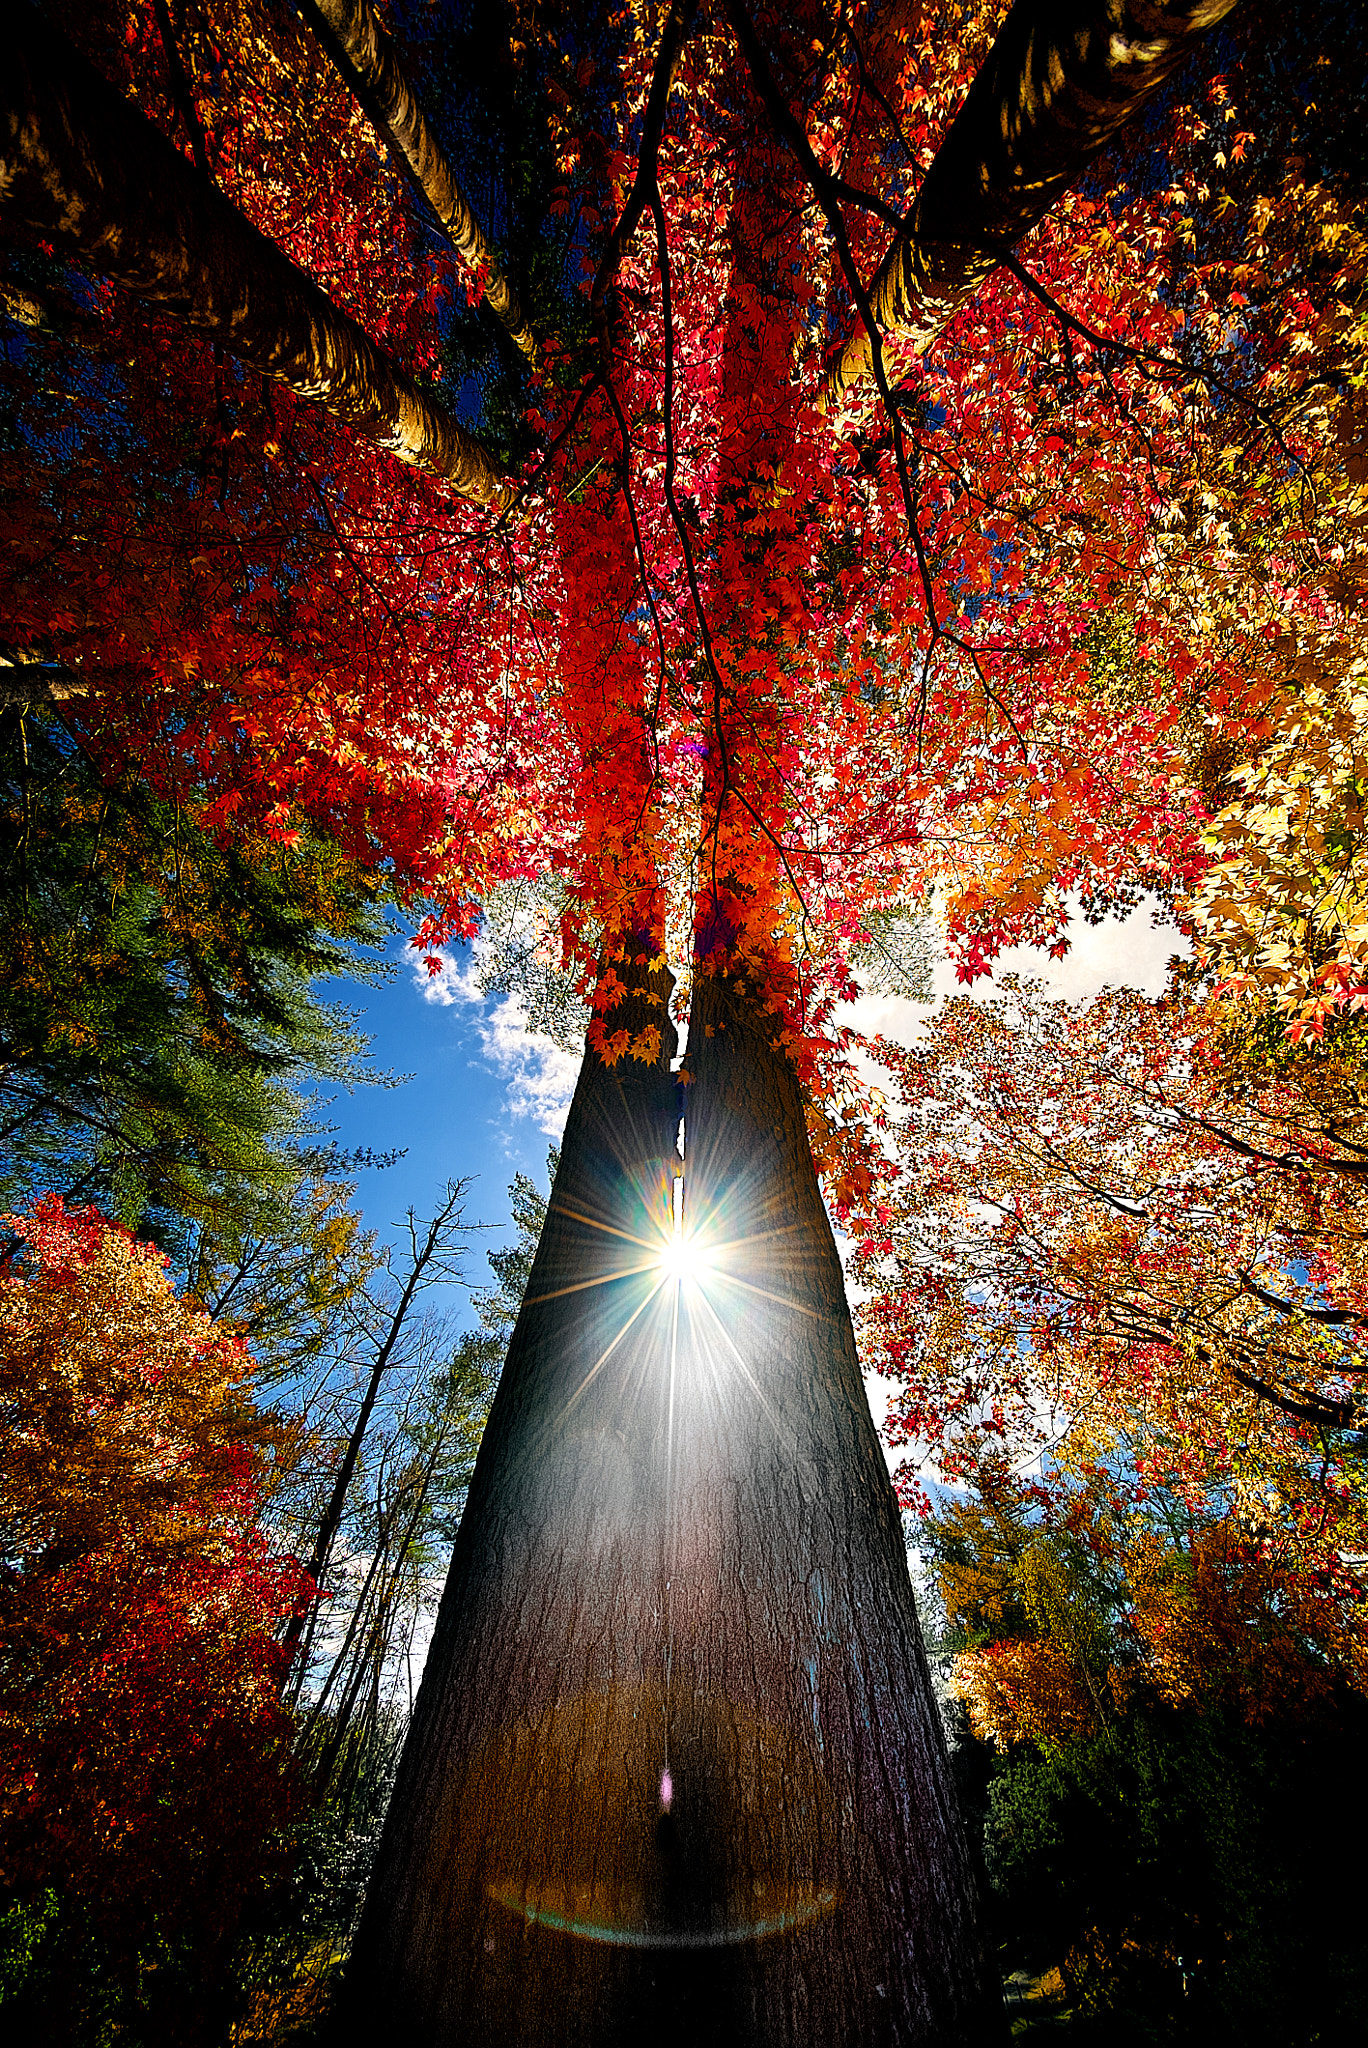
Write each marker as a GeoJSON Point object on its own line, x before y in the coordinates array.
{"type": "Point", "coordinates": [425, 1258]}
{"type": "Point", "coordinates": [1057, 85]}
{"type": "Point", "coordinates": [363, 51]}
{"type": "Point", "coordinates": [675, 1773]}
{"type": "Point", "coordinates": [88, 172]}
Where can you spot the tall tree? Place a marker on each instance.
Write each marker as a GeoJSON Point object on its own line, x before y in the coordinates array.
{"type": "Point", "coordinates": [843, 674]}
{"type": "Point", "coordinates": [359, 1696]}
{"type": "Point", "coordinates": [641, 1788]}
{"type": "Point", "coordinates": [382, 1338]}
{"type": "Point", "coordinates": [1127, 1255]}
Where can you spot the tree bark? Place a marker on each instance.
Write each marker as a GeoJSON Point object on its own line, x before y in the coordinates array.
{"type": "Point", "coordinates": [363, 52]}
{"type": "Point", "coordinates": [1057, 85]}
{"type": "Point", "coordinates": [675, 1773]}
{"type": "Point", "coordinates": [85, 170]}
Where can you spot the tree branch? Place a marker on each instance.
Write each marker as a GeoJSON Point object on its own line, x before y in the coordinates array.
{"type": "Point", "coordinates": [673, 37]}
{"type": "Point", "coordinates": [89, 173]}
{"type": "Point", "coordinates": [1059, 82]}
{"type": "Point", "coordinates": [364, 56]}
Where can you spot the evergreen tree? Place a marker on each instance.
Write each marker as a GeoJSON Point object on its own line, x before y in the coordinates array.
{"type": "Point", "coordinates": [157, 1014]}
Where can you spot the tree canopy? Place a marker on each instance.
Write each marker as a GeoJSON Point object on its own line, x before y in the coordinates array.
{"type": "Point", "coordinates": [715, 485]}
{"type": "Point", "coordinates": [999, 626]}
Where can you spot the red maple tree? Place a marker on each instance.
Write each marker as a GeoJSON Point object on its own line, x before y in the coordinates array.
{"type": "Point", "coordinates": [145, 1768]}
{"type": "Point", "coordinates": [748, 641]}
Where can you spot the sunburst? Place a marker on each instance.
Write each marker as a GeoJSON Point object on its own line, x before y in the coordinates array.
{"type": "Point", "coordinates": [683, 1255]}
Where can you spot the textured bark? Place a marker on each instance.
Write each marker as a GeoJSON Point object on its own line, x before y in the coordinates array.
{"type": "Point", "coordinates": [1057, 85]}
{"type": "Point", "coordinates": [83, 168]}
{"type": "Point", "coordinates": [29, 679]}
{"type": "Point", "coordinates": [360, 46]}
{"type": "Point", "coordinates": [680, 1556]}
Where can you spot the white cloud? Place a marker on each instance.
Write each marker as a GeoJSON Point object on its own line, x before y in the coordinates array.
{"type": "Point", "coordinates": [455, 984]}
{"type": "Point", "coordinates": [539, 1076]}
{"type": "Point", "coordinates": [1129, 952]}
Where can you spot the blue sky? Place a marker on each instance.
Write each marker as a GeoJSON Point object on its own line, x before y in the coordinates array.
{"type": "Point", "coordinates": [485, 1098]}
{"type": "Point", "coordinates": [481, 1097]}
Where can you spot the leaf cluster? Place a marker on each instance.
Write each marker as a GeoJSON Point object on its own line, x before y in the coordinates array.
{"type": "Point", "coordinates": [157, 1015]}
{"type": "Point", "coordinates": [146, 1775]}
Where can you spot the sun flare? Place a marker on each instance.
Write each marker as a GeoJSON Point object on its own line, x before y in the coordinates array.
{"type": "Point", "coordinates": [684, 1259]}
{"type": "Point", "coordinates": [682, 1255]}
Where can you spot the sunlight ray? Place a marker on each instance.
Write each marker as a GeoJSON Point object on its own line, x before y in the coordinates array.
{"type": "Point", "coordinates": [599, 1280]}
{"type": "Point", "coordinates": [603, 1359]}
{"type": "Point", "coordinates": [768, 1294]}
{"type": "Point", "coordinates": [781, 1431]}
{"type": "Point", "coordinates": [593, 1223]}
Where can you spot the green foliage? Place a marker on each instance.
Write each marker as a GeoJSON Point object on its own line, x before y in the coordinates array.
{"type": "Point", "coordinates": [517, 952]}
{"type": "Point", "coordinates": [156, 1004]}
{"type": "Point", "coordinates": [1115, 669]}
{"type": "Point", "coordinates": [60, 1984]}
{"type": "Point", "coordinates": [23, 1925]}
{"type": "Point", "coordinates": [288, 1271]}
{"type": "Point", "coordinates": [1249, 1045]}
{"type": "Point", "coordinates": [1186, 1874]}
{"type": "Point", "coordinates": [290, 1960]}
{"type": "Point", "coordinates": [72, 1987]}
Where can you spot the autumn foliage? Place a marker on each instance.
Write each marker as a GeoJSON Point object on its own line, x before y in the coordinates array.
{"type": "Point", "coordinates": [1065, 607]}
{"type": "Point", "coordinates": [145, 1750]}
{"type": "Point", "coordinates": [995, 639]}
{"type": "Point", "coordinates": [1071, 614]}
{"type": "Point", "coordinates": [1126, 1263]}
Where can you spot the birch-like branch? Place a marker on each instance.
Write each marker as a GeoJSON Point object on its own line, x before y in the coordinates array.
{"type": "Point", "coordinates": [364, 55]}
{"type": "Point", "coordinates": [1057, 85]}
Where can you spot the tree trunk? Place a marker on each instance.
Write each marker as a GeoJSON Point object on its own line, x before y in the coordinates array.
{"type": "Point", "coordinates": [85, 170]}
{"type": "Point", "coordinates": [428, 1260]}
{"type": "Point", "coordinates": [1057, 85]}
{"type": "Point", "coordinates": [675, 1773]}
{"type": "Point", "coordinates": [363, 52]}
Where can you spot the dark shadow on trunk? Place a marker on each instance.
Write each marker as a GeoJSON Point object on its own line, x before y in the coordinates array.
{"type": "Point", "coordinates": [676, 1775]}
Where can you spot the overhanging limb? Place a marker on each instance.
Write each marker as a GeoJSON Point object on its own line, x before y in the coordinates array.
{"type": "Point", "coordinates": [85, 170]}
{"type": "Point", "coordinates": [364, 55]}
{"type": "Point", "coordinates": [1057, 85]}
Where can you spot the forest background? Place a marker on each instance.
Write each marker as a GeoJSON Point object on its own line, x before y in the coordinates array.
{"type": "Point", "coordinates": [1112, 1255]}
